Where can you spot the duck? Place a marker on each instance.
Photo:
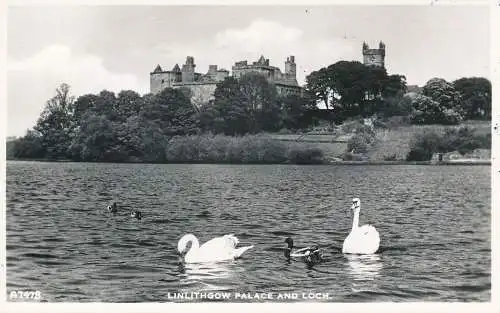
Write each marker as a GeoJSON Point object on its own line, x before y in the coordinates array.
{"type": "Point", "coordinates": [362, 239]}
{"type": "Point", "coordinates": [217, 249]}
{"type": "Point", "coordinates": [113, 208]}
{"type": "Point", "coordinates": [137, 214]}
{"type": "Point", "coordinates": [310, 255]}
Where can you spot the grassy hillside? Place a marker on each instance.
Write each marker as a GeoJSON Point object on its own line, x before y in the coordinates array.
{"type": "Point", "coordinates": [390, 144]}
{"type": "Point", "coordinates": [393, 144]}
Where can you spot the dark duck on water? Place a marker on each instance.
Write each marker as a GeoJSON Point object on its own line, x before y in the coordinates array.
{"type": "Point", "coordinates": [113, 208]}
{"type": "Point", "coordinates": [136, 214]}
{"type": "Point", "coordinates": [310, 255]}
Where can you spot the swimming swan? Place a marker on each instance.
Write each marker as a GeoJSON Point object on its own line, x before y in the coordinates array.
{"type": "Point", "coordinates": [362, 239]}
{"type": "Point", "coordinates": [310, 255]}
{"type": "Point", "coordinates": [217, 249]}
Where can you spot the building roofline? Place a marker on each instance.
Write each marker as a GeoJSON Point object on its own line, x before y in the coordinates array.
{"type": "Point", "coordinates": [180, 84]}
{"type": "Point", "coordinates": [251, 66]}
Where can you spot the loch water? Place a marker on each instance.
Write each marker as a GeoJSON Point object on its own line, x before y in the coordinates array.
{"type": "Point", "coordinates": [434, 223]}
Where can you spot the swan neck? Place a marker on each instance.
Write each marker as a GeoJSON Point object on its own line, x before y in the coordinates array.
{"type": "Point", "coordinates": [355, 220]}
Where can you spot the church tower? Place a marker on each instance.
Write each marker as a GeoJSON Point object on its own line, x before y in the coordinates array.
{"type": "Point", "coordinates": [374, 57]}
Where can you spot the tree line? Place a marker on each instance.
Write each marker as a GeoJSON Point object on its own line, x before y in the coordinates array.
{"type": "Point", "coordinates": [350, 89]}
{"type": "Point", "coordinates": [130, 127]}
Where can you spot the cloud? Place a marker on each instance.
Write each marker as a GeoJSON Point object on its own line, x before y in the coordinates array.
{"type": "Point", "coordinates": [258, 36]}
{"type": "Point", "coordinates": [32, 81]}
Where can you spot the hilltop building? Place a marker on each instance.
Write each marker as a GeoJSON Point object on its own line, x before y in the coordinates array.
{"type": "Point", "coordinates": [202, 86]}
{"type": "Point", "coordinates": [374, 57]}
{"type": "Point", "coordinates": [286, 83]}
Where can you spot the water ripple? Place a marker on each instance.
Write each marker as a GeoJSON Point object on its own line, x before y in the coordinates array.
{"type": "Point", "coordinates": [434, 224]}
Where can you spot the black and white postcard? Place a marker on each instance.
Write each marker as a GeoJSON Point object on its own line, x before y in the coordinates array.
{"type": "Point", "coordinates": [307, 154]}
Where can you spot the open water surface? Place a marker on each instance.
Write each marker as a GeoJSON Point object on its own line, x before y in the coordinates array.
{"type": "Point", "coordinates": [434, 223]}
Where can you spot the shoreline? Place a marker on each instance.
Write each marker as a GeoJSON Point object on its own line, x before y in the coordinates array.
{"type": "Point", "coordinates": [467, 162]}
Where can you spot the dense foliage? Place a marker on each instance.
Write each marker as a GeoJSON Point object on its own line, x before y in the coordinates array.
{"type": "Point", "coordinates": [475, 95]}
{"type": "Point", "coordinates": [349, 88]}
{"type": "Point", "coordinates": [461, 139]}
{"type": "Point", "coordinates": [165, 127]}
{"type": "Point", "coordinates": [168, 127]}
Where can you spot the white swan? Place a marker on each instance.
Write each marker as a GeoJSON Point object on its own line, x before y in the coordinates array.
{"type": "Point", "coordinates": [217, 249]}
{"type": "Point", "coordinates": [362, 239]}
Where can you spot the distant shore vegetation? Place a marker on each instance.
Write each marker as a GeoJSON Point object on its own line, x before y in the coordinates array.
{"type": "Point", "coordinates": [248, 122]}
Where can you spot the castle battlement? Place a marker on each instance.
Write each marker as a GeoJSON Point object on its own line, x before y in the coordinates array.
{"type": "Point", "coordinates": [272, 73]}
{"type": "Point", "coordinates": [202, 86]}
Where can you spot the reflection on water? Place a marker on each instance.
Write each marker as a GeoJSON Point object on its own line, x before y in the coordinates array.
{"type": "Point", "coordinates": [206, 276]}
{"type": "Point", "coordinates": [363, 270]}
{"type": "Point", "coordinates": [364, 267]}
{"type": "Point", "coordinates": [205, 271]}
{"type": "Point", "coordinates": [62, 241]}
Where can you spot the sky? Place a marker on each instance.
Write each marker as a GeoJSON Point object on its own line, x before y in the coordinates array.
{"type": "Point", "coordinates": [93, 48]}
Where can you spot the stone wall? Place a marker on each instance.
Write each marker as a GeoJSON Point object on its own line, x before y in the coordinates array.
{"type": "Point", "coordinates": [200, 93]}
{"type": "Point", "coordinates": [162, 80]}
{"type": "Point", "coordinates": [376, 59]}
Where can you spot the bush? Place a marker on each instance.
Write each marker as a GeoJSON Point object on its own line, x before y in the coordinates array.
{"type": "Point", "coordinates": [366, 131]}
{"type": "Point", "coordinates": [358, 143]}
{"type": "Point", "coordinates": [423, 146]}
{"type": "Point", "coordinates": [461, 139]}
{"type": "Point", "coordinates": [248, 149]}
{"type": "Point", "coordinates": [397, 121]}
{"type": "Point", "coordinates": [439, 104]}
{"type": "Point", "coordinates": [398, 105]}
{"type": "Point", "coordinates": [364, 136]}
{"type": "Point", "coordinates": [451, 117]}
{"type": "Point", "coordinates": [31, 146]}
{"type": "Point", "coordinates": [464, 140]}
{"type": "Point", "coordinates": [349, 156]}
{"type": "Point", "coordinates": [392, 157]}
{"type": "Point", "coordinates": [306, 156]}
{"type": "Point", "coordinates": [351, 126]}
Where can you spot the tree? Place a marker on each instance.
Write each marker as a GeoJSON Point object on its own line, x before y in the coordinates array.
{"type": "Point", "coordinates": [231, 114]}
{"type": "Point", "coordinates": [476, 96]}
{"type": "Point", "coordinates": [442, 92]}
{"type": "Point", "coordinates": [55, 123]}
{"type": "Point", "coordinates": [449, 110]}
{"type": "Point", "coordinates": [106, 105]}
{"type": "Point", "coordinates": [96, 140]}
{"type": "Point", "coordinates": [394, 86]}
{"type": "Point", "coordinates": [350, 88]}
{"type": "Point", "coordinates": [427, 111]}
{"type": "Point", "coordinates": [128, 103]}
{"type": "Point", "coordinates": [294, 109]}
{"type": "Point", "coordinates": [259, 96]}
{"type": "Point", "coordinates": [142, 139]}
{"type": "Point", "coordinates": [30, 146]}
{"type": "Point", "coordinates": [393, 97]}
{"type": "Point", "coordinates": [319, 84]}
{"type": "Point", "coordinates": [83, 104]}
{"type": "Point", "coordinates": [173, 112]}
{"type": "Point", "coordinates": [423, 146]}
